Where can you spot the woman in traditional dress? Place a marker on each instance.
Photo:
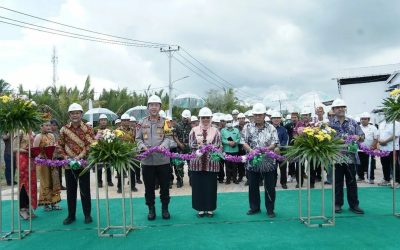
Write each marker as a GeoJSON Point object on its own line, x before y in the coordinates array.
{"type": "Point", "coordinates": [22, 159]}
{"type": "Point", "coordinates": [204, 169]}
{"type": "Point", "coordinates": [50, 187]}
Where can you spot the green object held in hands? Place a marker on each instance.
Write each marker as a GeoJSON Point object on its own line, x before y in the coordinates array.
{"type": "Point", "coordinates": [74, 165]}
{"type": "Point", "coordinates": [216, 157]}
{"type": "Point", "coordinates": [353, 147]}
{"type": "Point", "coordinates": [257, 160]}
{"type": "Point", "coordinates": [177, 161]}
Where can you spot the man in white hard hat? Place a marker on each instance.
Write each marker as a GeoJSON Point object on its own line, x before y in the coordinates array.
{"type": "Point", "coordinates": [103, 125]}
{"type": "Point", "coordinates": [194, 121]}
{"type": "Point", "coordinates": [235, 114]}
{"type": "Point", "coordinates": [129, 136]}
{"type": "Point", "coordinates": [230, 138]}
{"type": "Point", "coordinates": [117, 123]}
{"type": "Point", "coordinates": [181, 137]}
{"type": "Point", "coordinates": [133, 122]}
{"type": "Point", "coordinates": [276, 119]}
{"type": "Point", "coordinates": [215, 122]}
{"type": "Point", "coordinates": [258, 135]}
{"type": "Point", "coordinates": [241, 166]}
{"type": "Point", "coordinates": [150, 133]}
{"type": "Point", "coordinates": [75, 140]}
{"type": "Point", "coordinates": [222, 122]}
{"type": "Point", "coordinates": [250, 116]}
{"type": "Point", "coordinates": [370, 141]}
{"type": "Point", "coordinates": [319, 112]}
{"type": "Point", "coordinates": [385, 140]}
{"type": "Point", "coordinates": [345, 127]}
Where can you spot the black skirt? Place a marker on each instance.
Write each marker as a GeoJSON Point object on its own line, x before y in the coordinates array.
{"type": "Point", "coordinates": [204, 190]}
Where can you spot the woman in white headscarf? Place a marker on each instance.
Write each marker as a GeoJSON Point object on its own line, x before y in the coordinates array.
{"type": "Point", "coordinates": [204, 170]}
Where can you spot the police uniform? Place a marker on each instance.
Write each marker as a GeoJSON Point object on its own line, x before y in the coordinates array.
{"type": "Point", "coordinates": [150, 133]}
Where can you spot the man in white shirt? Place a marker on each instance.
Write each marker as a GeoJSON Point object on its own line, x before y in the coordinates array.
{"type": "Point", "coordinates": [370, 141]}
{"type": "Point", "coordinates": [385, 140]}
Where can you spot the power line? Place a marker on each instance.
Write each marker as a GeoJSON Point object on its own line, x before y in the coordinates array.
{"type": "Point", "coordinates": [82, 29]}
{"type": "Point", "coordinates": [72, 36]}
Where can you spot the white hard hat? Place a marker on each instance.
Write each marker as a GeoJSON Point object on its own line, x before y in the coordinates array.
{"type": "Point", "coordinates": [258, 108]}
{"type": "Point", "coordinates": [117, 121]}
{"type": "Point", "coordinates": [250, 114]}
{"type": "Point", "coordinates": [169, 118]}
{"type": "Point", "coordinates": [246, 120]}
{"type": "Point", "coordinates": [162, 113]}
{"type": "Point", "coordinates": [205, 112]}
{"type": "Point", "coordinates": [338, 103]}
{"type": "Point", "coordinates": [228, 118]}
{"type": "Point", "coordinates": [154, 99]}
{"type": "Point", "coordinates": [125, 117]}
{"type": "Point", "coordinates": [288, 117]}
{"type": "Point", "coordinates": [267, 119]}
{"type": "Point", "coordinates": [269, 112]}
{"type": "Point", "coordinates": [222, 118]}
{"type": "Point", "coordinates": [214, 119]}
{"type": "Point", "coordinates": [365, 115]}
{"type": "Point", "coordinates": [276, 114]}
{"type": "Point", "coordinates": [103, 116]}
{"type": "Point", "coordinates": [235, 112]}
{"type": "Point", "coordinates": [186, 113]}
{"type": "Point", "coordinates": [193, 119]}
{"type": "Point", "coordinates": [132, 119]}
{"type": "Point", "coordinates": [89, 124]}
{"type": "Point", "coordinates": [75, 107]}
{"type": "Point", "coordinates": [306, 111]}
{"type": "Point", "coordinates": [241, 115]}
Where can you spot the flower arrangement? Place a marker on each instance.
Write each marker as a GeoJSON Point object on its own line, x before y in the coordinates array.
{"type": "Point", "coordinates": [317, 146]}
{"type": "Point", "coordinates": [112, 149]}
{"type": "Point", "coordinates": [391, 106]}
{"type": "Point", "coordinates": [17, 112]}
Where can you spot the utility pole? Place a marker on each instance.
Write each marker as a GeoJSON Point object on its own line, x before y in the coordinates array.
{"type": "Point", "coordinates": [170, 51]}
{"type": "Point", "coordinates": [54, 60]}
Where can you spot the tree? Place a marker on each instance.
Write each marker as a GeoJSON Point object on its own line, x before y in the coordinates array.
{"type": "Point", "coordinates": [4, 86]}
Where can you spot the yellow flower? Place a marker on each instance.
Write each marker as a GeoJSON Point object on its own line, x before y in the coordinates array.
{"type": "Point", "coordinates": [395, 92]}
{"type": "Point", "coordinates": [328, 137]}
{"type": "Point", "coordinates": [119, 133]}
{"type": "Point", "coordinates": [320, 137]}
{"type": "Point", "coordinates": [5, 98]}
{"type": "Point", "coordinates": [94, 144]}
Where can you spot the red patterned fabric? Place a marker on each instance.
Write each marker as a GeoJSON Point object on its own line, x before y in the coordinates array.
{"type": "Point", "coordinates": [24, 177]}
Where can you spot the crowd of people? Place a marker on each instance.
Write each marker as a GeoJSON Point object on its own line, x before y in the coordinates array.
{"type": "Point", "coordinates": [235, 134]}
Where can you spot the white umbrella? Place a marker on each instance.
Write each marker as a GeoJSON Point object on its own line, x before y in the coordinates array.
{"type": "Point", "coordinates": [311, 99]}
{"type": "Point", "coordinates": [96, 112]}
{"type": "Point", "coordinates": [139, 112]}
{"type": "Point", "coordinates": [189, 101]}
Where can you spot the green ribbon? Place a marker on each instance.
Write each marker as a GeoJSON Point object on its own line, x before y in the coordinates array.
{"type": "Point", "coordinates": [216, 157]}
{"type": "Point", "coordinates": [352, 147]}
{"type": "Point", "coordinates": [177, 161]}
{"type": "Point", "coordinates": [257, 160]}
{"type": "Point", "coordinates": [74, 165]}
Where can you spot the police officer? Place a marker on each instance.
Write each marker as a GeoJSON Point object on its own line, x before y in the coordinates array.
{"type": "Point", "coordinates": [181, 137]}
{"type": "Point", "coordinates": [150, 133]}
{"type": "Point", "coordinates": [256, 135]}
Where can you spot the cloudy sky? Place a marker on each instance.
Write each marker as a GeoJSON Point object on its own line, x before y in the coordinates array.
{"type": "Point", "coordinates": [260, 47]}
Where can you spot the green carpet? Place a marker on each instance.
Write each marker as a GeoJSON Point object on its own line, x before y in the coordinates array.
{"type": "Point", "coordinates": [230, 228]}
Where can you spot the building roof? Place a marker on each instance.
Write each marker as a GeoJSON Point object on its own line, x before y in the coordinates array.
{"type": "Point", "coordinates": [368, 71]}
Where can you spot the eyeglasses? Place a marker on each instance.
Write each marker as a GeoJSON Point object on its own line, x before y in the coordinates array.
{"type": "Point", "coordinates": [205, 117]}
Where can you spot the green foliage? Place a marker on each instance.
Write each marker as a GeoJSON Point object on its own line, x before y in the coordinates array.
{"type": "Point", "coordinates": [223, 101]}
{"type": "Point", "coordinates": [391, 108]}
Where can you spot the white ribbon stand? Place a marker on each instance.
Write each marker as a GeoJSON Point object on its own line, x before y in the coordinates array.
{"type": "Point", "coordinates": [15, 232]}
{"type": "Point", "coordinates": [308, 219]}
{"type": "Point", "coordinates": [395, 212]}
{"type": "Point", "coordinates": [125, 227]}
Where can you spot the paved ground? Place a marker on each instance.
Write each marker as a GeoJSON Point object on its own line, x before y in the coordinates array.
{"type": "Point", "coordinates": [186, 190]}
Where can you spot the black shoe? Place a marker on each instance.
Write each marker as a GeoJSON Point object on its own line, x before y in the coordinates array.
{"type": "Point", "coordinates": [110, 184]}
{"type": "Point", "coordinates": [297, 185]}
{"type": "Point", "coordinates": [100, 184]}
{"type": "Point", "coordinates": [251, 211]}
{"type": "Point", "coordinates": [357, 210]}
{"type": "Point", "coordinates": [201, 214]}
{"type": "Point", "coordinates": [179, 184]}
{"type": "Point", "coordinates": [327, 183]}
{"type": "Point", "coordinates": [210, 214]}
{"type": "Point", "coordinates": [284, 186]}
{"type": "Point", "coordinates": [338, 209]}
{"type": "Point", "coordinates": [165, 214]}
{"type": "Point", "coordinates": [134, 189]}
{"type": "Point", "coordinates": [240, 179]}
{"type": "Point", "coordinates": [271, 214]}
{"type": "Point", "coordinates": [63, 188]}
{"type": "Point", "coordinates": [157, 187]}
{"type": "Point", "coordinates": [236, 182]}
{"type": "Point", "coordinates": [221, 181]}
{"type": "Point", "coordinates": [312, 186]}
{"type": "Point", "coordinates": [246, 183]}
{"type": "Point", "coordinates": [88, 219]}
{"type": "Point", "coordinates": [119, 191]}
{"type": "Point", "coordinates": [139, 181]}
{"type": "Point", "coordinates": [228, 182]}
{"type": "Point", "coordinates": [68, 220]}
{"type": "Point", "coordinates": [152, 213]}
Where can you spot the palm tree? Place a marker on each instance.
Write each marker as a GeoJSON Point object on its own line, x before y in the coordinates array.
{"type": "Point", "coordinates": [4, 86]}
